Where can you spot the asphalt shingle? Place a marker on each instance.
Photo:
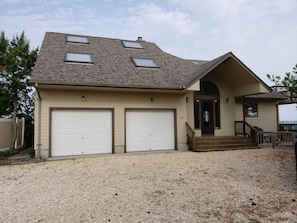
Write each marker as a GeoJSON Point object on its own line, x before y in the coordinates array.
{"type": "Point", "coordinates": [112, 67]}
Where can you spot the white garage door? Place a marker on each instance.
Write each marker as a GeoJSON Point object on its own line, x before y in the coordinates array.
{"type": "Point", "coordinates": [149, 130]}
{"type": "Point", "coordinates": [79, 132]}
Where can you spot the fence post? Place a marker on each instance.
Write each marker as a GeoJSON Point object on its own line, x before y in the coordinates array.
{"type": "Point", "coordinates": [296, 157]}
{"type": "Point", "coordinates": [273, 140]}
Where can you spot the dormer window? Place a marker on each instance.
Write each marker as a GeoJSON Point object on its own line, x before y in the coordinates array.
{"type": "Point", "coordinates": [132, 44]}
{"type": "Point", "coordinates": [77, 39]}
{"type": "Point", "coordinates": [79, 58]}
{"type": "Point", "coordinates": [141, 62]}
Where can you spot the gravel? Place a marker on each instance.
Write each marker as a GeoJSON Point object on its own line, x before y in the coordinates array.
{"type": "Point", "coordinates": [227, 186]}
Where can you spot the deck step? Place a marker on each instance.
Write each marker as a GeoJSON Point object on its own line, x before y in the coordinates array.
{"type": "Point", "coordinates": [204, 144]}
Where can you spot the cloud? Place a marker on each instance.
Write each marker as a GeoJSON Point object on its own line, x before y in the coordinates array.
{"type": "Point", "coordinates": [158, 19]}
{"type": "Point", "coordinates": [253, 30]}
{"type": "Point", "coordinates": [4, 2]}
{"type": "Point", "coordinates": [22, 11]}
{"type": "Point", "coordinates": [155, 24]}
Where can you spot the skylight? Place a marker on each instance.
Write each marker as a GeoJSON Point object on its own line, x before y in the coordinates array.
{"type": "Point", "coordinates": [132, 44]}
{"type": "Point", "coordinates": [77, 39]}
{"type": "Point", "coordinates": [140, 62]}
{"type": "Point", "coordinates": [79, 57]}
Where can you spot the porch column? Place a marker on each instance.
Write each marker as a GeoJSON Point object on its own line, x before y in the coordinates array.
{"type": "Point", "coordinates": [243, 115]}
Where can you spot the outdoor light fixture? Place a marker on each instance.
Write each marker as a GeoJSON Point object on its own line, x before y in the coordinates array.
{"type": "Point", "coordinates": [83, 98]}
{"type": "Point", "coordinates": [187, 99]}
{"type": "Point", "coordinates": [227, 100]}
{"type": "Point", "coordinates": [152, 100]}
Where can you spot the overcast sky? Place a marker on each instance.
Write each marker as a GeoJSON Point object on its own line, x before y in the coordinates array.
{"type": "Point", "coordinates": [261, 33]}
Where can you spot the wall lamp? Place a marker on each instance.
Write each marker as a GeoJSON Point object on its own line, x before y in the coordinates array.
{"type": "Point", "coordinates": [152, 100]}
{"type": "Point", "coordinates": [187, 99]}
{"type": "Point", "coordinates": [227, 100]}
{"type": "Point", "coordinates": [83, 98]}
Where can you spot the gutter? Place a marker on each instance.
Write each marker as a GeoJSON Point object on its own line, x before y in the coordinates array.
{"type": "Point", "coordinates": [38, 151]}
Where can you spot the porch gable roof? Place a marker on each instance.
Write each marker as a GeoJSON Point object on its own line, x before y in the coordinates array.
{"type": "Point", "coordinates": [238, 74]}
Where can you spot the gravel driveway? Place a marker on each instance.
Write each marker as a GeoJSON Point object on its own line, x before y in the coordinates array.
{"type": "Point", "coordinates": [232, 186]}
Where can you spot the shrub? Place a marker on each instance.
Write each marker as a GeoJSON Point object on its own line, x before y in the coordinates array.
{"type": "Point", "coordinates": [31, 151]}
{"type": "Point", "coordinates": [8, 152]}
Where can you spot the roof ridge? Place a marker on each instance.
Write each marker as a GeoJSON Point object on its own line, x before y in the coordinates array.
{"type": "Point", "coordinates": [99, 37]}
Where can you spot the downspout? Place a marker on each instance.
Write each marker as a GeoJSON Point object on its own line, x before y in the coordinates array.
{"type": "Point", "coordinates": [38, 151]}
{"type": "Point", "coordinates": [17, 133]}
{"type": "Point", "coordinates": [23, 130]}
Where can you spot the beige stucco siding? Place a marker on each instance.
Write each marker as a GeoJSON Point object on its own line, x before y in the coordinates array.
{"type": "Point", "coordinates": [195, 86]}
{"type": "Point", "coordinates": [249, 89]}
{"type": "Point", "coordinates": [119, 102]}
{"type": "Point", "coordinates": [267, 116]}
{"type": "Point", "coordinates": [190, 109]}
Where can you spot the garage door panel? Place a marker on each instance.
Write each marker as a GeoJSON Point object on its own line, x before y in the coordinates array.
{"type": "Point", "coordinates": [149, 130]}
{"type": "Point", "coordinates": [78, 132]}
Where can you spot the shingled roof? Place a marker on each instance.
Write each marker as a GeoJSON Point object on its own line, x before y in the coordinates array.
{"type": "Point", "coordinates": [270, 95]}
{"type": "Point", "coordinates": [112, 65]}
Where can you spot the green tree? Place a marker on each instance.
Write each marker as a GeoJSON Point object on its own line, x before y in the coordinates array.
{"type": "Point", "coordinates": [289, 81]}
{"type": "Point", "coordinates": [16, 65]}
{"type": "Point", "coordinates": [4, 95]}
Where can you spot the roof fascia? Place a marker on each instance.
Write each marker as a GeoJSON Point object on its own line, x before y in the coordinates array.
{"type": "Point", "coordinates": [204, 73]}
{"type": "Point", "coordinates": [103, 88]}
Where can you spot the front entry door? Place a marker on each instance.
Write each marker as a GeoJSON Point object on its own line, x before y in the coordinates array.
{"type": "Point", "coordinates": [207, 118]}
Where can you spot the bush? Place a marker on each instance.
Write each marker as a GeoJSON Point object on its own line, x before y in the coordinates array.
{"type": "Point", "coordinates": [8, 152]}
{"type": "Point", "coordinates": [31, 151]}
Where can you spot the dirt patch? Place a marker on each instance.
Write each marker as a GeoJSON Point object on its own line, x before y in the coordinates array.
{"type": "Point", "coordinates": [22, 157]}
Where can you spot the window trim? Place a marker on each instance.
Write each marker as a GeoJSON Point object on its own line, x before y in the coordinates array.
{"type": "Point", "coordinates": [132, 42]}
{"type": "Point", "coordinates": [198, 112]}
{"type": "Point", "coordinates": [91, 61]}
{"type": "Point", "coordinates": [134, 60]}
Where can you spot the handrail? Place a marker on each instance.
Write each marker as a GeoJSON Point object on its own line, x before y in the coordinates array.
{"type": "Point", "coordinates": [245, 129]}
{"type": "Point", "coordinates": [190, 137]}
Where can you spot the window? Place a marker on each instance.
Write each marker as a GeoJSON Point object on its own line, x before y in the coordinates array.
{"type": "Point", "coordinates": [132, 44]}
{"type": "Point", "coordinates": [79, 57]}
{"type": "Point", "coordinates": [77, 39]}
{"type": "Point", "coordinates": [140, 62]}
{"type": "Point", "coordinates": [207, 99]}
{"type": "Point", "coordinates": [251, 109]}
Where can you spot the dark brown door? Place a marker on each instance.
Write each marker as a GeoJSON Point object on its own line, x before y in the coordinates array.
{"type": "Point", "coordinates": [207, 118]}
